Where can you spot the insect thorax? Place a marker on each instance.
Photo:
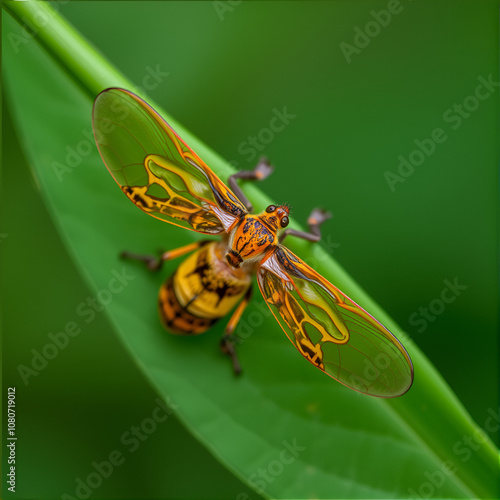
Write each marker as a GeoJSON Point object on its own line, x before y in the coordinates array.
{"type": "Point", "coordinates": [250, 240]}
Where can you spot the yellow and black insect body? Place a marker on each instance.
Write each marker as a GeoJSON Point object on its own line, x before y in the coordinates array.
{"type": "Point", "coordinates": [210, 282]}
{"type": "Point", "coordinates": [162, 176]}
{"type": "Point", "coordinates": [203, 289]}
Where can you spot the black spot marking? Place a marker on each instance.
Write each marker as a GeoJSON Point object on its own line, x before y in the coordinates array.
{"type": "Point", "coordinates": [285, 260]}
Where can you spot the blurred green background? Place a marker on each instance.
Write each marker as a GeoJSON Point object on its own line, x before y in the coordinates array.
{"type": "Point", "coordinates": [228, 69]}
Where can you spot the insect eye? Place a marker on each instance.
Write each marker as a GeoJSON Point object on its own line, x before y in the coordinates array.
{"type": "Point", "coordinates": [284, 221]}
{"type": "Point", "coordinates": [270, 208]}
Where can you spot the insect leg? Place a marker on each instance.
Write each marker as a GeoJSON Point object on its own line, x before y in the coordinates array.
{"type": "Point", "coordinates": [260, 172]}
{"type": "Point", "coordinates": [317, 217]}
{"type": "Point", "coordinates": [227, 343]}
{"type": "Point", "coordinates": [155, 263]}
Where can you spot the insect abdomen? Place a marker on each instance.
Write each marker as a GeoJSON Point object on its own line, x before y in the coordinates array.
{"type": "Point", "coordinates": [174, 316]}
{"type": "Point", "coordinates": [202, 290]}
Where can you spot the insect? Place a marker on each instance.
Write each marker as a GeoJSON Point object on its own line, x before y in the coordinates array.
{"type": "Point", "coordinates": [161, 175]}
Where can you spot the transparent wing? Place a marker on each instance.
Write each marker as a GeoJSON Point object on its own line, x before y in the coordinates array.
{"type": "Point", "coordinates": [156, 169]}
{"type": "Point", "coordinates": [331, 331]}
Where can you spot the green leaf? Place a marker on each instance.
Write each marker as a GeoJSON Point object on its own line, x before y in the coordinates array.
{"type": "Point", "coordinates": [283, 427]}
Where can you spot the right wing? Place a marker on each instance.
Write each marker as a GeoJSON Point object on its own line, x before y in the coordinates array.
{"type": "Point", "coordinates": [331, 331]}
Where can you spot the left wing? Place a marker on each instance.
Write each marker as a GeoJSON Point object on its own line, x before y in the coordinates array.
{"type": "Point", "coordinates": [330, 330]}
{"type": "Point", "coordinates": [157, 171]}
